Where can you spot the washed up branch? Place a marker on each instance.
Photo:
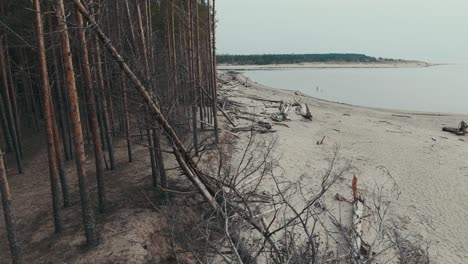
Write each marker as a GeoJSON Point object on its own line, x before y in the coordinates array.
{"type": "Point", "coordinates": [460, 131]}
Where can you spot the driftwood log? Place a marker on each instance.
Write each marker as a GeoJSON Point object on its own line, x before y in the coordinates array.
{"type": "Point", "coordinates": [282, 115]}
{"type": "Point", "coordinates": [262, 123]}
{"type": "Point", "coordinates": [303, 110]}
{"type": "Point", "coordinates": [460, 131]}
{"type": "Point", "coordinates": [359, 247]}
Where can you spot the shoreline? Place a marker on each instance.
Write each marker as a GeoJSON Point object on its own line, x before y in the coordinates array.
{"type": "Point", "coordinates": [428, 164]}
{"type": "Point", "coordinates": [327, 65]}
{"type": "Point", "coordinates": [242, 78]}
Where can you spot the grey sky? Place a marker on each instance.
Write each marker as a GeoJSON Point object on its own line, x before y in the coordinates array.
{"type": "Point", "coordinates": [433, 30]}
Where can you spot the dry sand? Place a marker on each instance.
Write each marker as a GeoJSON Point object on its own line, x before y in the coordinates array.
{"type": "Point", "coordinates": [430, 166]}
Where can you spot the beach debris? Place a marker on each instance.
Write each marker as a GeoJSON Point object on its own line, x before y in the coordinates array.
{"type": "Point", "coordinates": [403, 116]}
{"type": "Point", "coordinates": [354, 188]}
{"type": "Point", "coordinates": [341, 198]}
{"type": "Point", "coordinates": [255, 127]}
{"type": "Point", "coordinates": [359, 246]}
{"type": "Point", "coordinates": [298, 93]}
{"type": "Point", "coordinates": [346, 114]}
{"type": "Point", "coordinates": [320, 142]}
{"type": "Point", "coordinates": [433, 139]}
{"type": "Point", "coordinates": [398, 132]}
{"type": "Point", "coordinates": [226, 116]}
{"type": "Point", "coordinates": [303, 110]}
{"type": "Point", "coordinates": [270, 106]}
{"type": "Point", "coordinates": [220, 129]}
{"type": "Point", "coordinates": [260, 122]}
{"type": "Point", "coordinates": [460, 131]}
{"type": "Point", "coordinates": [250, 113]}
{"type": "Point", "coordinates": [278, 117]}
{"type": "Point", "coordinates": [282, 115]}
{"type": "Point", "coordinates": [337, 130]}
{"type": "Point", "coordinates": [280, 124]}
{"type": "Point", "coordinates": [256, 98]}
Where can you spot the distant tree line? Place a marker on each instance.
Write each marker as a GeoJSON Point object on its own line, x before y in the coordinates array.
{"type": "Point", "coordinates": [263, 59]}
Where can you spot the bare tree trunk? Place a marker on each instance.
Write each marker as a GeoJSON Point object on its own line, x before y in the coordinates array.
{"type": "Point", "coordinates": [193, 85]}
{"type": "Point", "coordinates": [129, 18]}
{"type": "Point", "coordinates": [15, 249]}
{"type": "Point", "coordinates": [32, 97]}
{"type": "Point", "coordinates": [124, 108]}
{"type": "Point", "coordinates": [88, 216]}
{"type": "Point", "coordinates": [14, 99]}
{"type": "Point", "coordinates": [58, 146]}
{"type": "Point", "coordinates": [92, 111]}
{"type": "Point", "coordinates": [60, 107]}
{"type": "Point", "coordinates": [4, 123]}
{"type": "Point", "coordinates": [198, 67]}
{"type": "Point", "coordinates": [9, 111]}
{"type": "Point", "coordinates": [154, 172]}
{"type": "Point", "coordinates": [160, 164]}
{"type": "Point", "coordinates": [127, 120]}
{"type": "Point", "coordinates": [145, 52]}
{"type": "Point", "coordinates": [58, 152]}
{"type": "Point", "coordinates": [54, 173]}
{"type": "Point", "coordinates": [212, 29]}
{"type": "Point", "coordinates": [103, 100]}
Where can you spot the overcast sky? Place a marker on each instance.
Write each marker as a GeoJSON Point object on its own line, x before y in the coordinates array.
{"type": "Point", "coordinates": [432, 30]}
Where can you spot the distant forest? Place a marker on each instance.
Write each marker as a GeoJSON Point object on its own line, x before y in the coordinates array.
{"type": "Point", "coordinates": [295, 58]}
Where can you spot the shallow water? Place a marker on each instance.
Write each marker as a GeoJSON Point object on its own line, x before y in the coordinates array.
{"type": "Point", "coordinates": [441, 88]}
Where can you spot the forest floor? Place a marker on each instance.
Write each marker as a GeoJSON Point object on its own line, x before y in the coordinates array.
{"type": "Point", "coordinates": [429, 165]}
{"type": "Point", "coordinates": [134, 229]}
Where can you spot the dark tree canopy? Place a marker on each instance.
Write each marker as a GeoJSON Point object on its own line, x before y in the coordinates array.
{"type": "Point", "coordinates": [263, 59]}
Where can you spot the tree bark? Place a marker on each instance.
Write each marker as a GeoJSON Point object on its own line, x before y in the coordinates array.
{"type": "Point", "coordinates": [9, 111]}
{"type": "Point", "coordinates": [92, 111]}
{"type": "Point", "coordinates": [88, 216]}
{"type": "Point", "coordinates": [103, 100]}
{"type": "Point", "coordinates": [214, 95]}
{"type": "Point", "coordinates": [15, 249]}
{"type": "Point", "coordinates": [51, 149]}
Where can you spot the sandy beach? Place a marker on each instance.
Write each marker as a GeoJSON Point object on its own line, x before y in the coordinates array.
{"type": "Point", "coordinates": [430, 166]}
{"type": "Point", "coordinates": [325, 65]}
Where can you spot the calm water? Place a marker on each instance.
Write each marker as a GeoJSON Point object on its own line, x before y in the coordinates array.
{"type": "Point", "coordinates": [433, 89]}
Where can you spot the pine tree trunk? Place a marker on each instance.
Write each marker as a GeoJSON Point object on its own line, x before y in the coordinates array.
{"type": "Point", "coordinates": [193, 86]}
{"type": "Point", "coordinates": [103, 100]}
{"type": "Point", "coordinates": [88, 216]}
{"type": "Point", "coordinates": [9, 111]}
{"type": "Point", "coordinates": [160, 164]}
{"type": "Point", "coordinates": [127, 120]}
{"type": "Point", "coordinates": [93, 117]}
{"type": "Point", "coordinates": [214, 95]}
{"type": "Point", "coordinates": [54, 173]}
{"type": "Point", "coordinates": [15, 249]}
{"type": "Point", "coordinates": [14, 99]}
{"type": "Point", "coordinates": [4, 123]}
